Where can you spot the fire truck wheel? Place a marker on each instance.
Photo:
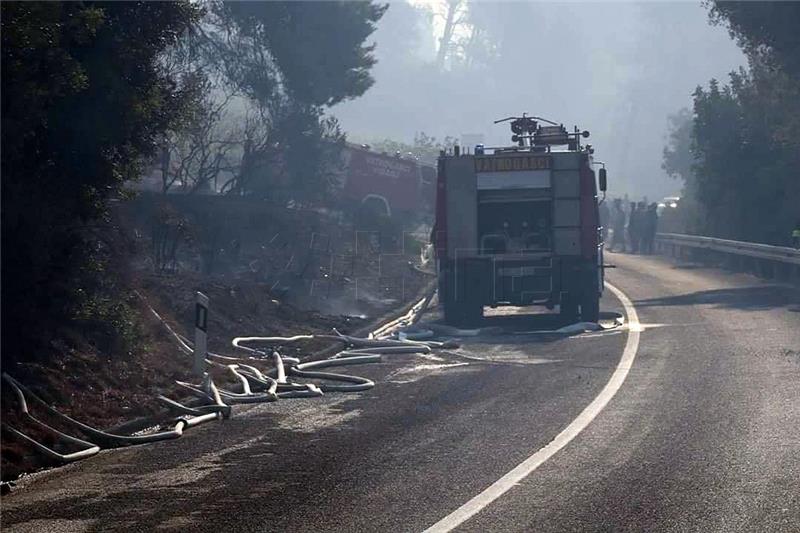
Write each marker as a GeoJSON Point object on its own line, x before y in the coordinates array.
{"type": "Point", "coordinates": [462, 313]}
{"type": "Point", "coordinates": [590, 300]}
{"type": "Point", "coordinates": [473, 313]}
{"type": "Point", "coordinates": [568, 310]}
{"type": "Point", "coordinates": [590, 308]}
{"type": "Point", "coordinates": [453, 312]}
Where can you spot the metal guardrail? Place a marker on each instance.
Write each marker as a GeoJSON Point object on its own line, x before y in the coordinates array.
{"type": "Point", "coordinates": [781, 254]}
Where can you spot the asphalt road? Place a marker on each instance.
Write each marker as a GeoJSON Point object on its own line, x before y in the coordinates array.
{"type": "Point", "coordinates": [703, 434]}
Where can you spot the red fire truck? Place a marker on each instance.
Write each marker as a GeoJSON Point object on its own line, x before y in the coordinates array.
{"type": "Point", "coordinates": [392, 184]}
{"type": "Point", "coordinates": [519, 225]}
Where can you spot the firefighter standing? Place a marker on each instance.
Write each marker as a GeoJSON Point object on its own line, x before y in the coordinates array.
{"type": "Point", "coordinates": [618, 226]}
{"type": "Point", "coordinates": [633, 228]}
{"type": "Point", "coordinates": [649, 228]}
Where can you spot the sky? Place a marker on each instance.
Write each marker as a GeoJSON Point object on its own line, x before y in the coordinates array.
{"type": "Point", "coordinates": [616, 69]}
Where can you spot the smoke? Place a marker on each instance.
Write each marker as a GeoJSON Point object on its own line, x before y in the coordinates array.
{"type": "Point", "coordinates": [616, 69]}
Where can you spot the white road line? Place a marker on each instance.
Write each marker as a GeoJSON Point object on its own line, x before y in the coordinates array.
{"type": "Point", "coordinates": [522, 470]}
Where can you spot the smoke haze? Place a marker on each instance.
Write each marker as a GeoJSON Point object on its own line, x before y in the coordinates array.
{"type": "Point", "coordinates": [616, 69]}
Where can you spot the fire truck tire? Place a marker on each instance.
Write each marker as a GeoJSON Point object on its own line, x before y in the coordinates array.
{"type": "Point", "coordinates": [452, 312]}
{"type": "Point", "coordinates": [590, 308]}
{"type": "Point", "coordinates": [462, 312]}
{"type": "Point", "coordinates": [568, 309]}
{"type": "Point", "coordinates": [473, 312]}
{"type": "Point", "coordinates": [450, 307]}
{"type": "Point", "coordinates": [590, 300]}
{"type": "Point", "coordinates": [462, 305]}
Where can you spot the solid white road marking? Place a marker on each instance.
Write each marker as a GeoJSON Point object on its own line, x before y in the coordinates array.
{"type": "Point", "coordinates": [522, 470]}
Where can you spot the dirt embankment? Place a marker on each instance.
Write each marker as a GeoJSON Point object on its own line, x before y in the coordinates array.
{"type": "Point", "coordinates": [266, 272]}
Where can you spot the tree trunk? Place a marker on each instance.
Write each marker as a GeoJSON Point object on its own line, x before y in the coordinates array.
{"type": "Point", "coordinates": [447, 35]}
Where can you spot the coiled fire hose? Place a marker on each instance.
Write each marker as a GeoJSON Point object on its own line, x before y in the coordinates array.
{"type": "Point", "coordinates": [257, 386]}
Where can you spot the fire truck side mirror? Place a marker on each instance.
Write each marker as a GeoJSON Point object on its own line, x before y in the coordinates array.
{"type": "Point", "coordinates": [603, 180]}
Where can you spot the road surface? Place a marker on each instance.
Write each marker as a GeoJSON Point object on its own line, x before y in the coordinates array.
{"type": "Point", "coordinates": [703, 434]}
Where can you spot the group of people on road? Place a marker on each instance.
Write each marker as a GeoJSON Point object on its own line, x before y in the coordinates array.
{"type": "Point", "coordinates": [632, 230]}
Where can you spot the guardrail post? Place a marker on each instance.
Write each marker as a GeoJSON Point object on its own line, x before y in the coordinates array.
{"type": "Point", "coordinates": [200, 333]}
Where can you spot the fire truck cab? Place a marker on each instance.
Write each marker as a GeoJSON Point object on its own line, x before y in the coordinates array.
{"type": "Point", "coordinates": [519, 225]}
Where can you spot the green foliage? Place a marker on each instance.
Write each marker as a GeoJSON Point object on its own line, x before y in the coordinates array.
{"type": "Point", "coordinates": [318, 47]}
{"type": "Point", "coordinates": [169, 229]}
{"type": "Point", "coordinates": [83, 100]}
{"type": "Point", "coordinates": [306, 147]}
{"type": "Point", "coordinates": [111, 324]}
{"type": "Point", "coordinates": [742, 142]}
{"type": "Point", "coordinates": [313, 144]}
{"type": "Point", "coordinates": [737, 155]}
{"type": "Point", "coordinates": [291, 60]}
{"type": "Point", "coordinates": [677, 155]}
{"type": "Point", "coordinates": [746, 167]}
{"type": "Point", "coordinates": [764, 29]}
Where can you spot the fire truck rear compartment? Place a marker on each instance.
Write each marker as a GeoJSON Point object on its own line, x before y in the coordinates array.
{"type": "Point", "coordinates": [512, 225]}
{"type": "Point", "coordinates": [508, 237]}
{"type": "Point", "coordinates": [508, 225]}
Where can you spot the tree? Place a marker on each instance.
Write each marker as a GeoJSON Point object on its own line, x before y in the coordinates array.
{"type": "Point", "coordinates": [742, 140]}
{"type": "Point", "coordinates": [198, 152]}
{"type": "Point", "coordinates": [84, 100]}
{"type": "Point", "coordinates": [313, 50]}
{"type": "Point", "coordinates": [260, 153]}
{"type": "Point", "coordinates": [465, 41]}
{"type": "Point", "coordinates": [763, 29]}
{"type": "Point", "coordinates": [744, 178]}
{"type": "Point", "coordinates": [744, 136]}
{"type": "Point", "coordinates": [453, 18]}
{"type": "Point", "coordinates": [304, 151]}
{"type": "Point", "coordinates": [291, 60]}
{"type": "Point", "coordinates": [677, 156]}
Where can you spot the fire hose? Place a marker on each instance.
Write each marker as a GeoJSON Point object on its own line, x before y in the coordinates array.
{"type": "Point", "coordinates": [253, 384]}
